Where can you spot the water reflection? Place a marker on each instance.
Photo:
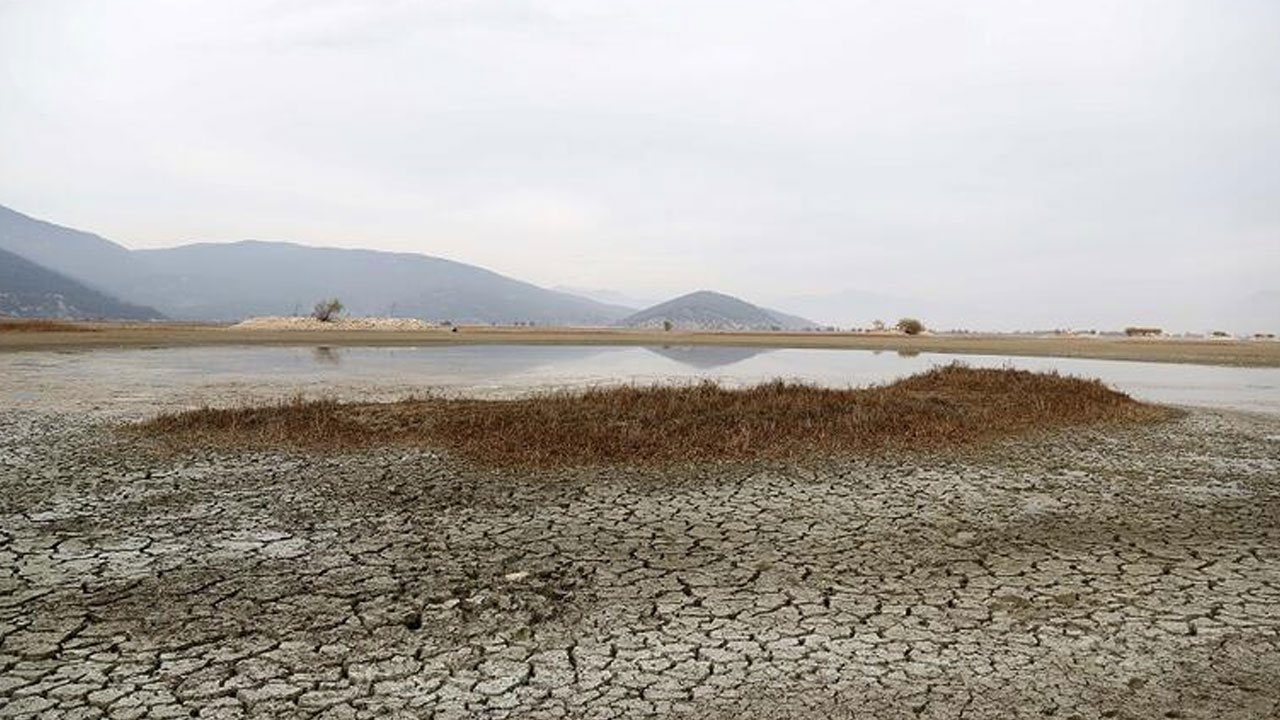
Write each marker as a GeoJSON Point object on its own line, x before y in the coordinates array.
{"type": "Point", "coordinates": [325, 355]}
{"type": "Point", "coordinates": [170, 372]}
{"type": "Point", "coordinates": [706, 357]}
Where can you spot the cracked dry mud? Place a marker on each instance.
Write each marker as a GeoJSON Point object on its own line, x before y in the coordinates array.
{"type": "Point", "coordinates": [1101, 573]}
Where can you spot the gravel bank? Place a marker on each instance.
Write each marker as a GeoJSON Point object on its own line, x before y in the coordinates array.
{"type": "Point", "coordinates": [271, 322]}
{"type": "Point", "coordinates": [1129, 573]}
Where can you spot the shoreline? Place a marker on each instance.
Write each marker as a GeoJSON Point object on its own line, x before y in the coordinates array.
{"type": "Point", "coordinates": [1238, 353]}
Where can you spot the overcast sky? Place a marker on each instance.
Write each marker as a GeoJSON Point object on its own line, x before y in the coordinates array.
{"type": "Point", "coordinates": [992, 164]}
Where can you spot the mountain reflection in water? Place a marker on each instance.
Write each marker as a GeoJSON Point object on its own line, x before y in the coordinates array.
{"type": "Point", "coordinates": [707, 357]}
{"type": "Point", "coordinates": [190, 374]}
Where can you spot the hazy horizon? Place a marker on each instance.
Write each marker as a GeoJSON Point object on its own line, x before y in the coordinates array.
{"type": "Point", "coordinates": [998, 165]}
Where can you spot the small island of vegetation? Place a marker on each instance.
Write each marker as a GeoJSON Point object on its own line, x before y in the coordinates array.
{"type": "Point", "coordinates": [947, 406]}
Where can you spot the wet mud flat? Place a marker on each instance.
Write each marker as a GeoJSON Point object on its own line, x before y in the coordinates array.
{"type": "Point", "coordinates": [1105, 573]}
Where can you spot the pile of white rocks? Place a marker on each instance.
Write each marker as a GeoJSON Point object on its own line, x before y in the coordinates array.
{"type": "Point", "coordinates": [345, 323]}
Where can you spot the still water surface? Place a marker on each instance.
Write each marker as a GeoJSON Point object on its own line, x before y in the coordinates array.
{"type": "Point", "coordinates": [498, 369]}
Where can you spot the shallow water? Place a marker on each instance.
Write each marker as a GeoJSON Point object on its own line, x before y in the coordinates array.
{"type": "Point", "coordinates": [106, 380]}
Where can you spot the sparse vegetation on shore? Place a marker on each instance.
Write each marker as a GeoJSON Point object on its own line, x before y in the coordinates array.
{"type": "Point", "coordinates": [910, 326]}
{"type": "Point", "coordinates": [946, 406]}
{"type": "Point", "coordinates": [40, 325]}
{"type": "Point", "coordinates": [327, 310]}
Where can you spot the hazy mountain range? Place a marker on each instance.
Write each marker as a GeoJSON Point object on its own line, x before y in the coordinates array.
{"type": "Point", "coordinates": [69, 273]}
{"type": "Point", "coordinates": [214, 281]}
{"type": "Point", "coordinates": [229, 281]}
{"type": "Point", "coordinates": [30, 290]}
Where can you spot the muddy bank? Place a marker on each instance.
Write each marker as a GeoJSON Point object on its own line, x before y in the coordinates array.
{"type": "Point", "coordinates": [1116, 573]}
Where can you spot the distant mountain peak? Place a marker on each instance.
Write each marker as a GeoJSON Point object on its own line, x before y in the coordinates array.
{"type": "Point", "coordinates": [711, 310]}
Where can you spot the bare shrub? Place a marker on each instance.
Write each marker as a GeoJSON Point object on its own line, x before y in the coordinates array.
{"type": "Point", "coordinates": [910, 326]}
{"type": "Point", "coordinates": [327, 310]}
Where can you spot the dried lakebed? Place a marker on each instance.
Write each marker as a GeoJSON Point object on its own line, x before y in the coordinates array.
{"type": "Point", "coordinates": [1105, 573]}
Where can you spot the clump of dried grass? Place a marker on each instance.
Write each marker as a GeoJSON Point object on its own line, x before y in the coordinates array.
{"type": "Point", "coordinates": [40, 325]}
{"type": "Point", "coordinates": [946, 406]}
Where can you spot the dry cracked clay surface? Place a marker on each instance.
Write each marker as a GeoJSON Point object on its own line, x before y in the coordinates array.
{"type": "Point", "coordinates": [1103, 573]}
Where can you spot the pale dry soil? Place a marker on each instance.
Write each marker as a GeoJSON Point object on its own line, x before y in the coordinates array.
{"type": "Point", "coordinates": [1104, 573]}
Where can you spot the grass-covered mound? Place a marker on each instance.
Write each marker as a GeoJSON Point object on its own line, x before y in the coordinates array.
{"type": "Point", "coordinates": [946, 406]}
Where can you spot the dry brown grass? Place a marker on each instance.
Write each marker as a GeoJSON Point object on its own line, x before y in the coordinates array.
{"type": "Point", "coordinates": [947, 406]}
{"type": "Point", "coordinates": [8, 324]}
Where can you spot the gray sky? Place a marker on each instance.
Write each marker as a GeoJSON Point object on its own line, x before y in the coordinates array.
{"type": "Point", "coordinates": [988, 164]}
